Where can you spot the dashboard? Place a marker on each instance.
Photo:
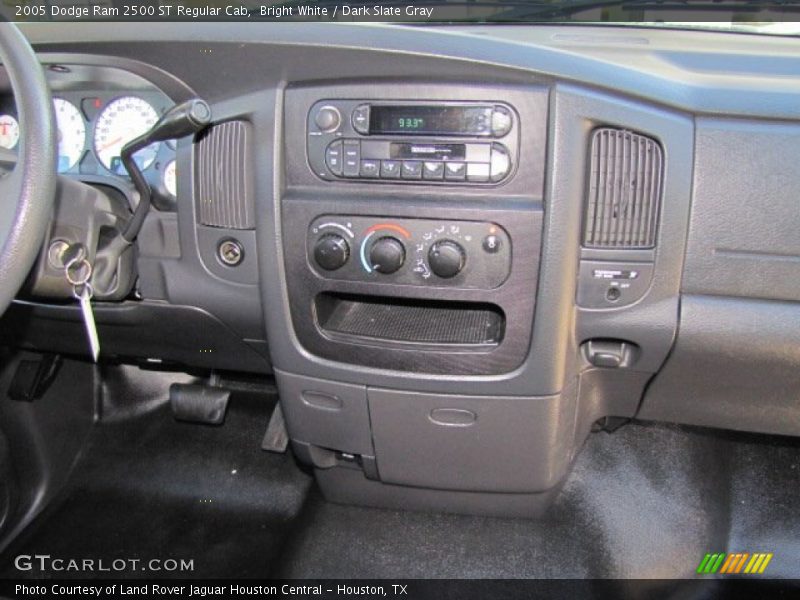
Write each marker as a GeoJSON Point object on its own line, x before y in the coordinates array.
{"type": "Point", "coordinates": [94, 123]}
{"type": "Point", "coordinates": [457, 250]}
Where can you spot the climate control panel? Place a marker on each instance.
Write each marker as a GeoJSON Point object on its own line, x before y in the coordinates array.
{"type": "Point", "coordinates": [466, 254]}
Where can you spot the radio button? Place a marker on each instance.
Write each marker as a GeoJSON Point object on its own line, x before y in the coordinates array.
{"type": "Point", "coordinates": [360, 119]}
{"type": "Point", "coordinates": [370, 168]}
{"type": "Point", "coordinates": [352, 158]}
{"type": "Point", "coordinates": [455, 171]}
{"type": "Point", "coordinates": [333, 158]}
{"type": "Point", "coordinates": [412, 169]}
{"type": "Point", "coordinates": [501, 121]}
{"type": "Point", "coordinates": [482, 125]}
{"type": "Point", "coordinates": [479, 153]}
{"type": "Point", "coordinates": [478, 172]}
{"type": "Point", "coordinates": [432, 170]}
{"type": "Point", "coordinates": [500, 164]}
{"type": "Point", "coordinates": [390, 169]}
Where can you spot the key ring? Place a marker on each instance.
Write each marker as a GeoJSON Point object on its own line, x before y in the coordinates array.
{"type": "Point", "coordinates": [85, 288]}
{"type": "Point", "coordinates": [70, 264]}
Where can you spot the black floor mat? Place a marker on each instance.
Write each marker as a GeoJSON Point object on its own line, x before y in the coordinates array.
{"type": "Point", "coordinates": [149, 487]}
{"type": "Point", "coordinates": [647, 501]}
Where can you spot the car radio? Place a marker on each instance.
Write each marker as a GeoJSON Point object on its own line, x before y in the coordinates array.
{"type": "Point", "coordinates": [412, 142]}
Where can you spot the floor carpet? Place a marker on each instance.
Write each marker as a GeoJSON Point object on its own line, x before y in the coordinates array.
{"type": "Point", "coordinates": [647, 501]}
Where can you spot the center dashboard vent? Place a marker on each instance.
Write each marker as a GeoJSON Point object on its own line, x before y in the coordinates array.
{"type": "Point", "coordinates": [626, 180]}
{"type": "Point", "coordinates": [223, 176]}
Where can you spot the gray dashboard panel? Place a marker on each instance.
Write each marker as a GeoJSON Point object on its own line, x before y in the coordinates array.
{"type": "Point", "coordinates": [651, 323]}
{"type": "Point", "coordinates": [735, 361]}
{"type": "Point", "coordinates": [255, 92]}
{"type": "Point", "coordinates": [651, 80]}
{"type": "Point", "coordinates": [699, 71]}
{"type": "Point", "coordinates": [473, 443]}
{"type": "Point", "coordinates": [735, 365]}
{"type": "Point", "coordinates": [743, 234]}
{"type": "Point", "coordinates": [176, 259]}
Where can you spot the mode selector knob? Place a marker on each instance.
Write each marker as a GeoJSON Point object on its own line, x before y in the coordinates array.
{"type": "Point", "coordinates": [446, 258]}
{"type": "Point", "coordinates": [331, 251]}
{"type": "Point", "coordinates": [387, 255]}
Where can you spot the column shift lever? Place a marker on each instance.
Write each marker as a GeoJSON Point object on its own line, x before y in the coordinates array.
{"type": "Point", "coordinates": [181, 120]}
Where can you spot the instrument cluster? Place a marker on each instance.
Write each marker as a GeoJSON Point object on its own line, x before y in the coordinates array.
{"type": "Point", "coordinates": [93, 127]}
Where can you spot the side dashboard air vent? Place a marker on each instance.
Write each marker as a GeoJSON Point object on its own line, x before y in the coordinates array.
{"type": "Point", "coordinates": [626, 180]}
{"type": "Point", "coordinates": [223, 176]}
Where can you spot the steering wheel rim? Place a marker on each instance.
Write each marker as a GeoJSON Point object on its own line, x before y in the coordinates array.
{"type": "Point", "coordinates": [27, 193]}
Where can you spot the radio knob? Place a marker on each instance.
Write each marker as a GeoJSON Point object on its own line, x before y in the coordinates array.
{"type": "Point", "coordinates": [387, 255]}
{"type": "Point", "coordinates": [331, 252]}
{"type": "Point", "coordinates": [446, 258]}
{"type": "Point", "coordinates": [328, 119]}
{"type": "Point", "coordinates": [501, 121]}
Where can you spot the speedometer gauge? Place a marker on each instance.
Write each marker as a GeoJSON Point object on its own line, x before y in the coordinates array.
{"type": "Point", "coordinates": [9, 131]}
{"type": "Point", "coordinates": [121, 121]}
{"type": "Point", "coordinates": [71, 134]}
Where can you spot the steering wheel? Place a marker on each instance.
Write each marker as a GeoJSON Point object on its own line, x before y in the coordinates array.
{"type": "Point", "coordinates": [28, 192]}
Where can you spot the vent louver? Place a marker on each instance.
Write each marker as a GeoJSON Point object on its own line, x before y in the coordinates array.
{"type": "Point", "coordinates": [223, 172]}
{"type": "Point", "coordinates": [624, 191]}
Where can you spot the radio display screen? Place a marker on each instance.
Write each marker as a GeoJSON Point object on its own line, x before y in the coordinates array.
{"type": "Point", "coordinates": [430, 120]}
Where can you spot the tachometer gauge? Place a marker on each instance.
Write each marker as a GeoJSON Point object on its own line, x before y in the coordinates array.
{"type": "Point", "coordinates": [171, 178]}
{"type": "Point", "coordinates": [9, 131]}
{"type": "Point", "coordinates": [121, 121]}
{"type": "Point", "coordinates": [71, 134]}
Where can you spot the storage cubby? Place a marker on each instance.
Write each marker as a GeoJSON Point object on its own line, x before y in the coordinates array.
{"type": "Point", "coordinates": [403, 321]}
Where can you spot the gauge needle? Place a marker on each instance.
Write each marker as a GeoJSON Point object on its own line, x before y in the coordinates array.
{"type": "Point", "coordinates": [111, 143]}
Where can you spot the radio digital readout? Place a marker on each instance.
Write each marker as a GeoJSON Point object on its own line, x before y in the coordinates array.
{"type": "Point", "coordinates": [430, 120]}
{"type": "Point", "coordinates": [413, 124]}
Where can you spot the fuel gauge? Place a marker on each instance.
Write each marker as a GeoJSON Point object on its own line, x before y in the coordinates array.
{"type": "Point", "coordinates": [170, 178]}
{"type": "Point", "coordinates": [71, 134]}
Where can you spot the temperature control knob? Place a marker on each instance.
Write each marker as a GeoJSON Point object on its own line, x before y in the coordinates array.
{"type": "Point", "coordinates": [446, 258]}
{"type": "Point", "coordinates": [387, 255]}
{"type": "Point", "coordinates": [331, 251]}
